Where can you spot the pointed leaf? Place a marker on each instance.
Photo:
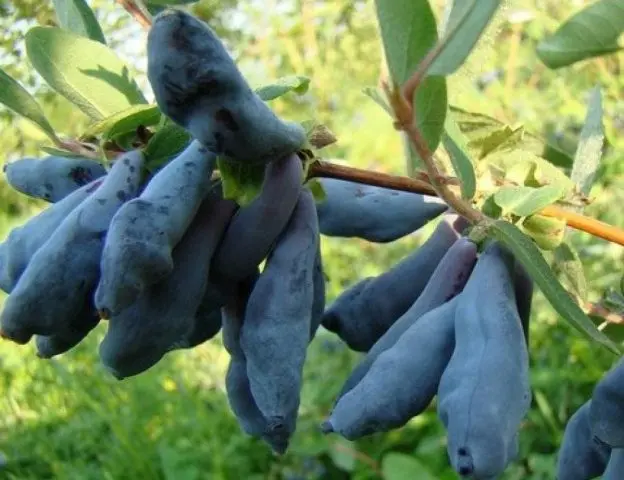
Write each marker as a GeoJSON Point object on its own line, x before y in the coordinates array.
{"type": "Point", "coordinates": [430, 107]}
{"type": "Point", "coordinates": [77, 17]}
{"type": "Point", "coordinates": [525, 251]}
{"type": "Point", "coordinates": [318, 192]}
{"type": "Point", "coordinates": [477, 126]}
{"type": "Point", "coordinates": [498, 139]}
{"type": "Point", "coordinates": [60, 152]}
{"type": "Point", "coordinates": [541, 172]}
{"type": "Point", "coordinates": [292, 83]}
{"type": "Point", "coordinates": [408, 32]}
{"type": "Point", "coordinates": [467, 21]}
{"type": "Point", "coordinates": [614, 300]}
{"type": "Point", "coordinates": [85, 72]}
{"type": "Point", "coordinates": [376, 96]}
{"type": "Point", "coordinates": [589, 150]}
{"type": "Point", "coordinates": [568, 266]}
{"type": "Point", "coordinates": [398, 466]}
{"type": "Point", "coordinates": [343, 454]}
{"type": "Point", "coordinates": [592, 32]}
{"type": "Point", "coordinates": [15, 97]}
{"type": "Point", "coordinates": [166, 144]}
{"type": "Point", "coordinates": [525, 201]}
{"type": "Point", "coordinates": [125, 121]}
{"type": "Point", "coordinates": [547, 232]}
{"type": "Point", "coordinates": [242, 182]}
{"type": "Point", "coordinates": [456, 145]}
{"type": "Point", "coordinates": [170, 2]}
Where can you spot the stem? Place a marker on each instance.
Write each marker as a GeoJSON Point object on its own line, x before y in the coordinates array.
{"type": "Point", "coordinates": [406, 184]}
{"type": "Point", "coordinates": [462, 207]}
{"type": "Point", "coordinates": [358, 175]}
{"type": "Point", "coordinates": [601, 311]}
{"type": "Point", "coordinates": [586, 224]}
{"type": "Point", "coordinates": [139, 15]}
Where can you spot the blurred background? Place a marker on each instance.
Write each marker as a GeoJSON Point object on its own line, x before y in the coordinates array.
{"type": "Point", "coordinates": [67, 418]}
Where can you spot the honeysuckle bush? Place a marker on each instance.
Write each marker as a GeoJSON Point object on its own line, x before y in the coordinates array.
{"type": "Point", "coordinates": [508, 172]}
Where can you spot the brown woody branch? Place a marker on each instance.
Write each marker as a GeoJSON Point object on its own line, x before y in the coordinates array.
{"type": "Point", "coordinates": [406, 184]}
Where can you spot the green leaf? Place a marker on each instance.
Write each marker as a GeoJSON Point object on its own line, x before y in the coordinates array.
{"type": "Point", "coordinates": [467, 21]}
{"type": "Point", "coordinates": [77, 17]}
{"type": "Point", "coordinates": [15, 97]}
{"type": "Point", "coordinates": [165, 3]}
{"type": "Point", "coordinates": [456, 145]}
{"type": "Point", "coordinates": [477, 126]}
{"type": "Point", "coordinates": [376, 96]}
{"type": "Point", "coordinates": [85, 72]}
{"type": "Point", "coordinates": [398, 466]}
{"type": "Point", "coordinates": [547, 232]}
{"type": "Point", "coordinates": [547, 174]}
{"type": "Point", "coordinates": [318, 192]}
{"type": "Point", "coordinates": [569, 267]}
{"type": "Point", "coordinates": [614, 301]}
{"type": "Point", "coordinates": [241, 182]}
{"type": "Point", "coordinates": [125, 121]}
{"type": "Point", "coordinates": [166, 144]}
{"type": "Point", "coordinates": [343, 453]}
{"type": "Point", "coordinates": [592, 32]}
{"type": "Point", "coordinates": [60, 152]}
{"type": "Point", "coordinates": [525, 201]}
{"type": "Point", "coordinates": [283, 85]}
{"type": "Point", "coordinates": [430, 109]}
{"type": "Point", "coordinates": [490, 207]}
{"type": "Point", "coordinates": [525, 251]}
{"type": "Point", "coordinates": [589, 150]}
{"type": "Point", "coordinates": [408, 32]}
{"type": "Point", "coordinates": [614, 331]}
{"type": "Point", "coordinates": [501, 138]}
{"type": "Point", "coordinates": [540, 172]}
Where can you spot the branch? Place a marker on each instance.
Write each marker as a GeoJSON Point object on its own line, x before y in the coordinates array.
{"type": "Point", "coordinates": [586, 224]}
{"type": "Point", "coordinates": [139, 15]}
{"type": "Point", "coordinates": [601, 311]}
{"type": "Point", "coordinates": [406, 184]}
{"type": "Point", "coordinates": [358, 175]}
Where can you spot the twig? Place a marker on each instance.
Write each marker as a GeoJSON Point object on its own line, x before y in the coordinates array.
{"type": "Point", "coordinates": [139, 15]}
{"type": "Point", "coordinates": [405, 184]}
{"type": "Point", "coordinates": [601, 311]}
{"type": "Point", "coordinates": [358, 175]}
{"type": "Point", "coordinates": [586, 224]}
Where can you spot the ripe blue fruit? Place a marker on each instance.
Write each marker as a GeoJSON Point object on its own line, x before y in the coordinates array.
{"type": "Point", "coordinates": [62, 274]}
{"type": "Point", "coordinates": [372, 213]}
{"type": "Point", "coordinates": [197, 84]}
{"type": "Point", "coordinates": [51, 178]}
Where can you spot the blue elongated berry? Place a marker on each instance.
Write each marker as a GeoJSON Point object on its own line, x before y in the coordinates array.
{"type": "Point", "coordinates": [484, 393]}
{"type": "Point", "coordinates": [51, 178]}
{"type": "Point", "coordinates": [142, 235]}
{"type": "Point", "coordinates": [373, 213]}
{"type": "Point", "coordinates": [366, 310]}
{"type": "Point", "coordinates": [62, 274]}
{"type": "Point", "coordinates": [197, 84]}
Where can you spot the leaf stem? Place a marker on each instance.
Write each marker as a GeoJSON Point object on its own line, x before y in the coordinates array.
{"type": "Point", "coordinates": [406, 184]}
{"type": "Point", "coordinates": [139, 15]}
{"type": "Point", "coordinates": [601, 311]}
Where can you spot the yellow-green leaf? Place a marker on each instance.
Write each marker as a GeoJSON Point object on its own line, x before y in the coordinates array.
{"type": "Point", "coordinates": [531, 258]}
{"type": "Point", "coordinates": [85, 72]}
{"type": "Point", "coordinates": [15, 97]}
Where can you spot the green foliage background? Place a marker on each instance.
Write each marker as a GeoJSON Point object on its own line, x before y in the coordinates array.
{"type": "Point", "coordinates": [68, 419]}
